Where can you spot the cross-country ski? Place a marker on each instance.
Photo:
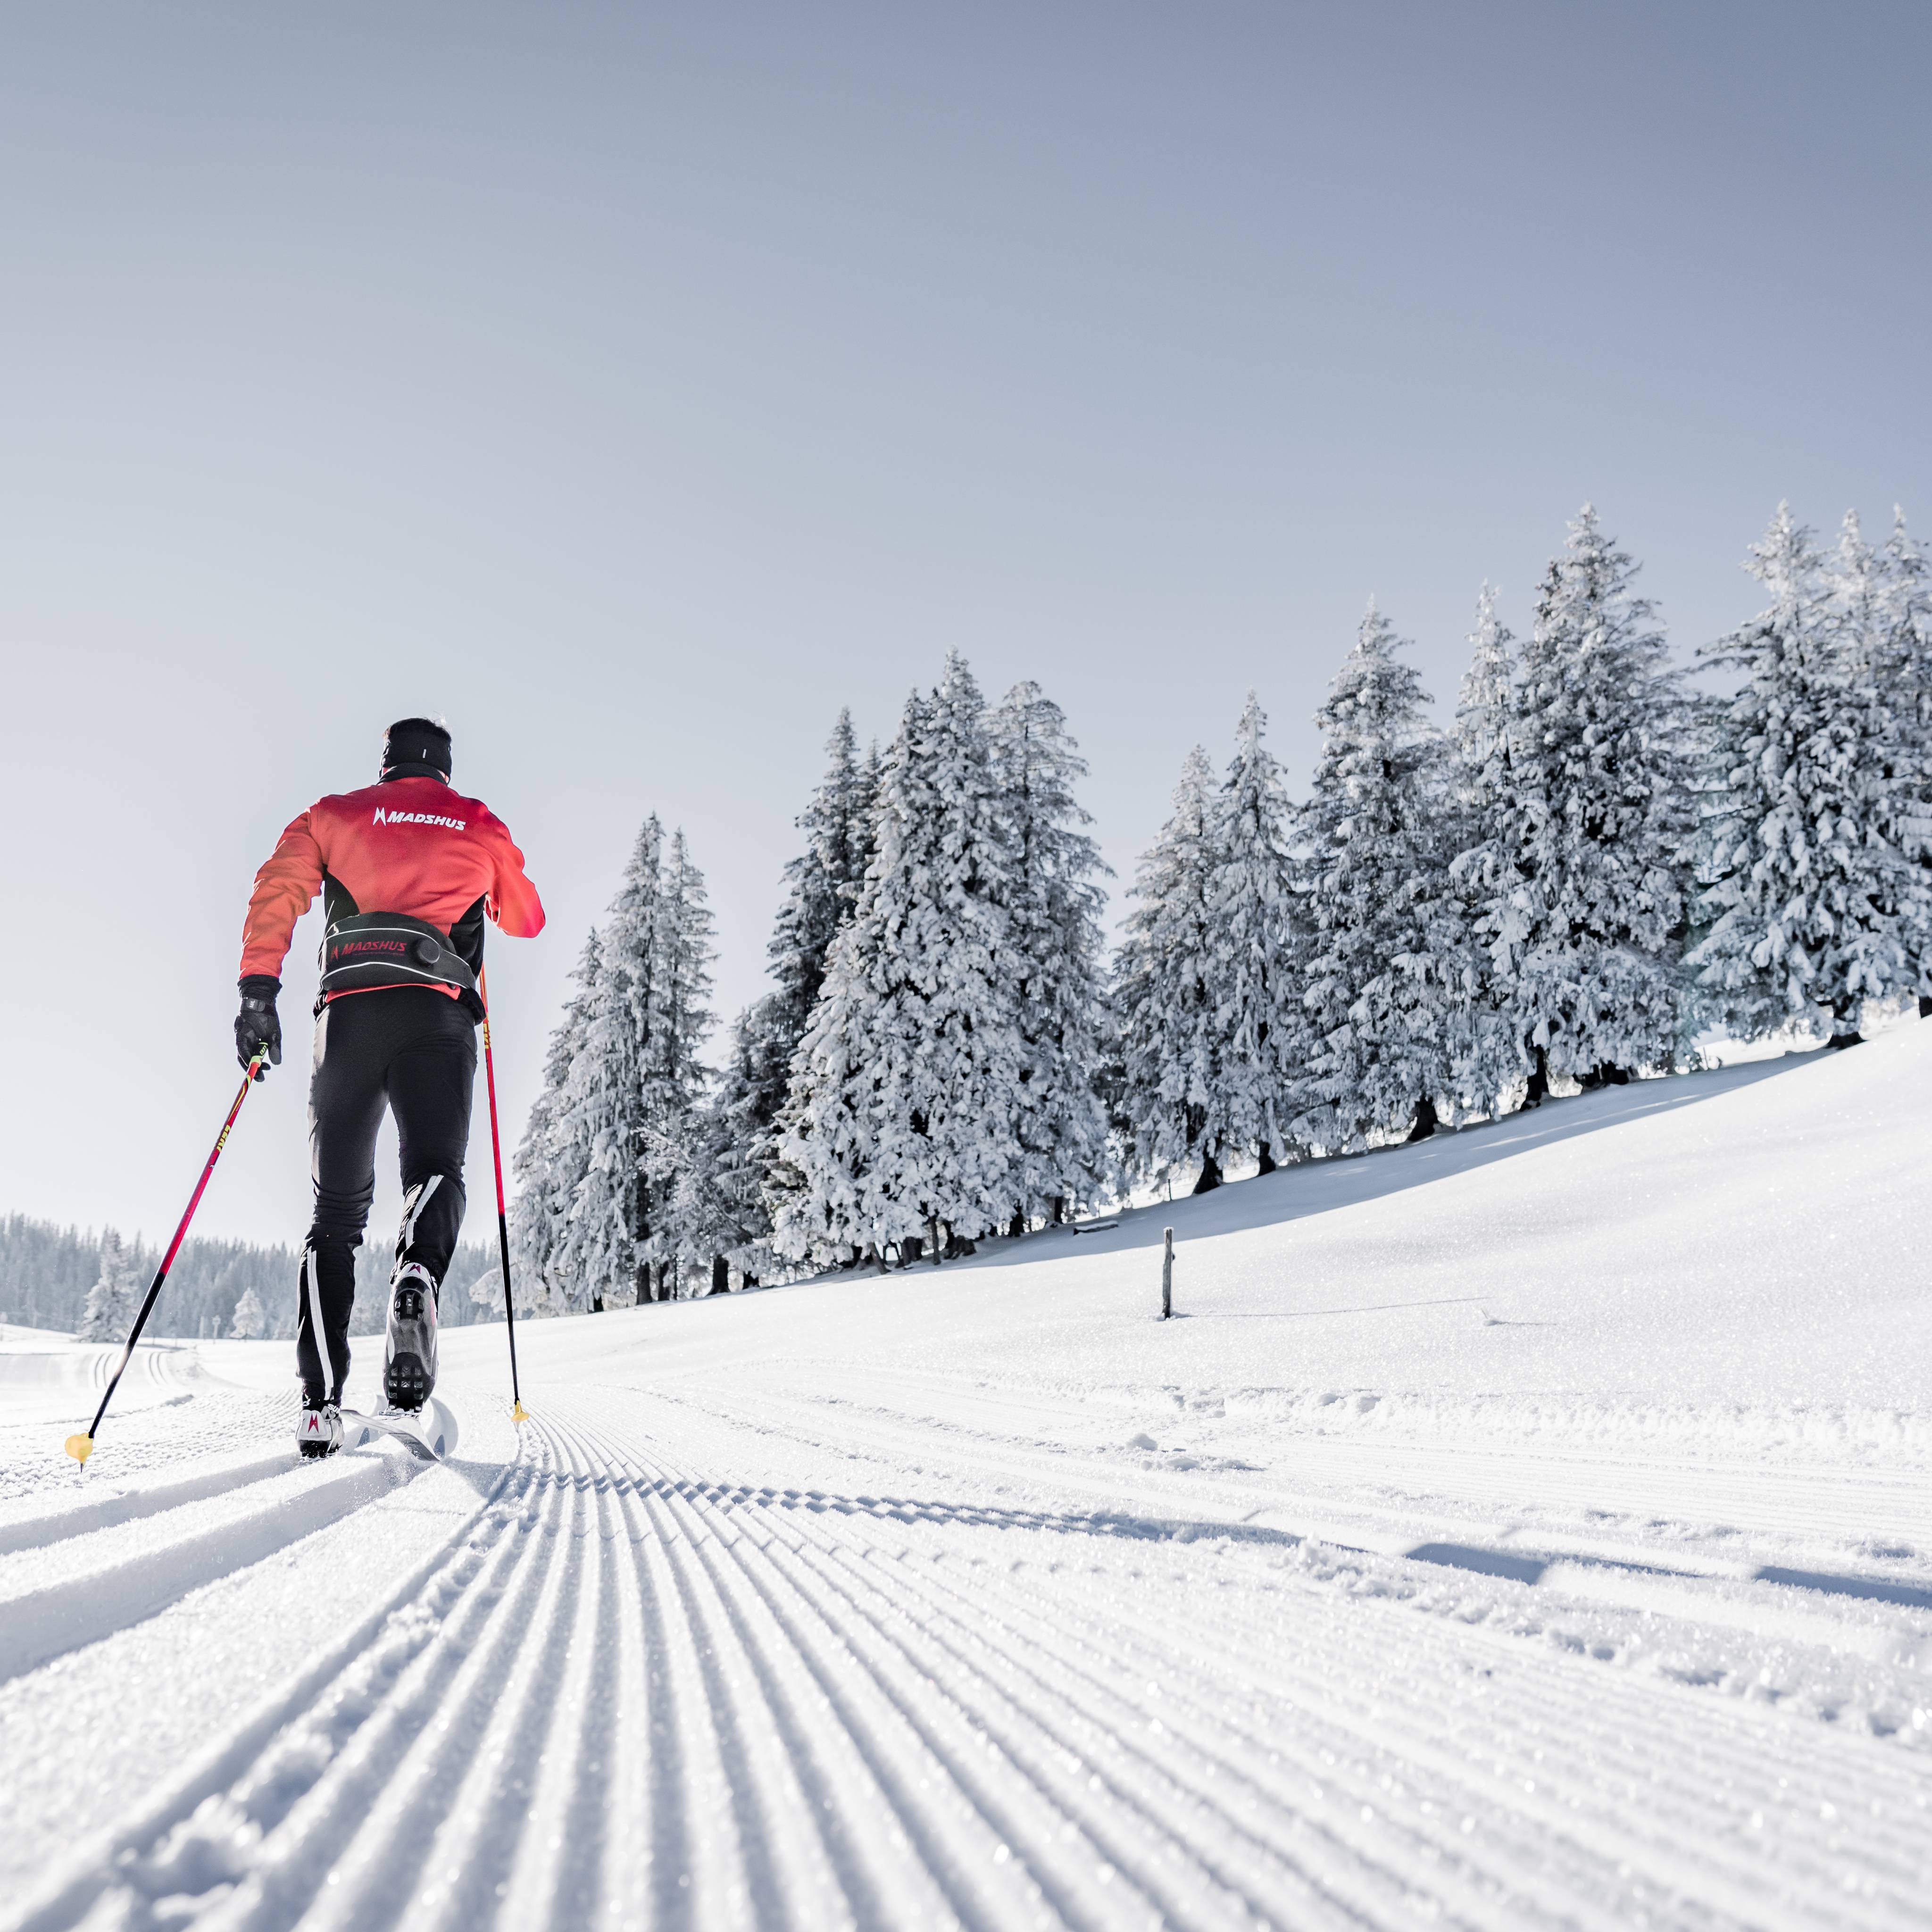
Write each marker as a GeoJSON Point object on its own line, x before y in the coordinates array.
{"type": "Point", "coordinates": [430, 1431]}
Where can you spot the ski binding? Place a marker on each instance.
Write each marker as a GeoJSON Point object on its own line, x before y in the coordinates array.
{"type": "Point", "coordinates": [429, 1432]}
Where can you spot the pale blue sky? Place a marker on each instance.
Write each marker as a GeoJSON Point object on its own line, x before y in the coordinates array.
{"type": "Point", "coordinates": [635, 386]}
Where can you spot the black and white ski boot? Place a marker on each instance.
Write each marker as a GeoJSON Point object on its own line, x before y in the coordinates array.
{"type": "Point", "coordinates": [319, 1429]}
{"type": "Point", "coordinates": [409, 1351]}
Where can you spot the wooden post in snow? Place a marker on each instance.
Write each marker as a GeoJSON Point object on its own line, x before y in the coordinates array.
{"type": "Point", "coordinates": [1167, 1274]}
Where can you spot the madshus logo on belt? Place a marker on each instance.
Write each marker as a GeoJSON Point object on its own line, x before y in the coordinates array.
{"type": "Point", "coordinates": [417, 818]}
{"type": "Point", "coordinates": [339, 946]}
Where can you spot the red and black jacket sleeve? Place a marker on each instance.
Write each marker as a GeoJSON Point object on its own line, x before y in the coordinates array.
{"type": "Point", "coordinates": [285, 889]}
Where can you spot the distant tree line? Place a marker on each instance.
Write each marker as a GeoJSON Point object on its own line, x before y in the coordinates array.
{"type": "Point", "coordinates": [1595, 864]}
{"type": "Point", "coordinates": [77, 1281]}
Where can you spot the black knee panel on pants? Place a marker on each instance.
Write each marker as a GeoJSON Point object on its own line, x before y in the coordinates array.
{"type": "Point", "coordinates": [328, 1293]}
{"type": "Point", "coordinates": [432, 1220]}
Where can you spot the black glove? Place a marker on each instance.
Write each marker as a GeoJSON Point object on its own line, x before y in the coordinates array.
{"type": "Point", "coordinates": [255, 1026]}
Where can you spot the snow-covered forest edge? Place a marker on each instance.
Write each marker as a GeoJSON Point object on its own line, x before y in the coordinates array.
{"type": "Point", "coordinates": [1597, 872]}
{"type": "Point", "coordinates": [49, 1276]}
{"type": "Point", "coordinates": [1600, 872]}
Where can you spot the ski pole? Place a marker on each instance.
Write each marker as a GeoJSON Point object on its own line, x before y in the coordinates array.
{"type": "Point", "coordinates": [518, 1413]}
{"type": "Point", "coordinates": [81, 1446]}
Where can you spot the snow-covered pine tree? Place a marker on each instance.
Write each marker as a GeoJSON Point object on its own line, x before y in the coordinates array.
{"type": "Point", "coordinates": [905, 1089]}
{"type": "Point", "coordinates": [1488, 1057]}
{"type": "Point", "coordinates": [1383, 976]}
{"type": "Point", "coordinates": [613, 1133]}
{"type": "Point", "coordinates": [1908, 585]}
{"type": "Point", "coordinates": [1170, 1043]}
{"type": "Point", "coordinates": [1484, 705]}
{"type": "Point", "coordinates": [1587, 920]}
{"type": "Point", "coordinates": [826, 1131]}
{"type": "Point", "coordinates": [250, 1320]}
{"type": "Point", "coordinates": [551, 1162]}
{"type": "Point", "coordinates": [721, 1200]}
{"type": "Point", "coordinates": [1254, 979]}
{"type": "Point", "coordinates": [675, 1221]}
{"type": "Point", "coordinates": [822, 887]}
{"type": "Point", "coordinates": [1053, 903]}
{"type": "Point", "coordinates": [114, 1299]}
{"type": "Point", "coordinates": [822, 884]}
{"type": "Point", "coordinates": [1881, 667]}
{"type": "Point", "coordinates": [1802, 887]}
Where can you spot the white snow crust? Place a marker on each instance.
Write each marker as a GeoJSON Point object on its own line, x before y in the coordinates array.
{"type": "Point", "coordinates": [1528, 1527]}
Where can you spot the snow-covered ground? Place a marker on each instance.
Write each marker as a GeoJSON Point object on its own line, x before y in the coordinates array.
{"type": "Point", "coordinates": [1531, 1527]}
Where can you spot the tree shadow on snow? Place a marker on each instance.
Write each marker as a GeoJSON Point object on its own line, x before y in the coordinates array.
{"type": "Point", "coordinates": [918, 1509]}
{"type": "Point", "coordinates": [1315, 1187]}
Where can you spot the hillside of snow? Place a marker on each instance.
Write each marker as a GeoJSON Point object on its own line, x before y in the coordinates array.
{"type": "Point", "coordinates": [1531, 1526]}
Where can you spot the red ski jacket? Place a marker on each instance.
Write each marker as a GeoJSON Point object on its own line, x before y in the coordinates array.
{"type": "Point", "coordinates": [409, 845]}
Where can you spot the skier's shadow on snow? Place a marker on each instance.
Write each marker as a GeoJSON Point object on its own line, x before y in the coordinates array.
{"type": "Point", "coordinates": [485, 1478]}
{"type": "Point", "coordinates": [1314, 1187]}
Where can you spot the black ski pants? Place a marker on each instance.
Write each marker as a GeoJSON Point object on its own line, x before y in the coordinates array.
{"type": "Point", "coordinates": [413, 1050]}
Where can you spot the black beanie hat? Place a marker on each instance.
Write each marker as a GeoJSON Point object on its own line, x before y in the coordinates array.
{"type": "Point", "coordinates": [416, 748]}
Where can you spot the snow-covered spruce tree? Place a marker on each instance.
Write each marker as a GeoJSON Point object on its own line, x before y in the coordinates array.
{"type": "Point", "coordinates": [1488, 1057]}
{"type": "Point", "coordinates": [822, 887]}
{"type": "Point", "coordinates": [721, 1202]}
{"type": "Point", "coordinates": [250, 1321]}
{"type": "Point", "coordinates": [617, 1123]}
{"type": "Point", "coordinates": [1053, 905]}
{"type": "Point", "coordinates": [826, 1132]}
{"type": "Point", "coordinates": [551, 1161]}
{"type": "Point", "coordinates": [1254, 979]}
{"type": "Point", "coordinates": [905, 1089]}
{"type": "Point", "coordinates": [1169, 1041]}
{"type": "Point", "coordinates": [822, 884]}
{"type": "Point", "coordinates": [1802, 887]}
{"type": "Point", "coordinates": [1385, 977]}
{"type": "Point", "coordinates": [1586, 920]}
{"type": "Point", "coordinates": [114, 1299]}
{"type": "Point", "coordinates": [1881, 666]}
{"type": "Point", "coordinates": [671, 1233]}
{"type": "Point", "coordinates": [1908, 593]}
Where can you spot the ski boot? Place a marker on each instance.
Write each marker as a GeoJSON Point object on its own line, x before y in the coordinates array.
{"type": "Point", "coordinates": [319, 1429]}
{"type": "Point", "coordinates": [409, 1350]}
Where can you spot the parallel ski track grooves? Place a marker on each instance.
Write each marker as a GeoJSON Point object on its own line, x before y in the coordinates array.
{"type": "Point", "coordinates": [673, 1510]}
{"type": "Point", "coordinates": [1345, 1888]}
{"type": "Point", "coordinates": [445, 1712]}
{"type": "Point", "coordinates": [1721, 1496]}
{"type": "Point", "coordinates": [1690, 1860]}
{"type": "Point", "coordinates": [141, 1856]}
{"type": "Point", "coordinates": [100, 1590]}
{"type": "Point", "coordinates": [705, 1528]}
{"type": "Point", "coordinates": [627, 1695]}
{"type": "Point", "coordinates": [99, 1512]}
{"type": "Point", "coordinates": [168, 1367]}
{"type": "Point", "coordinates": [1728, 1877]}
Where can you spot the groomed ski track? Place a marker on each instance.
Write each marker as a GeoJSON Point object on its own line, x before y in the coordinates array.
{"type": "Point", "coordinates": [772, 1618]}
{"type": "Point", "coordinates": [627, 1692]}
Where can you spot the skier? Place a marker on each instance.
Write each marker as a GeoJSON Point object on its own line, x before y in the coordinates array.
{"type": "Point", "coordinates": [408, 869]}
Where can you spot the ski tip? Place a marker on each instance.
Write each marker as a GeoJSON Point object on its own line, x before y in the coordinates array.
{"type": "Point", "coordinates": [519, 1414]}
{"type": "Point", "coordinates": [80, 1447]}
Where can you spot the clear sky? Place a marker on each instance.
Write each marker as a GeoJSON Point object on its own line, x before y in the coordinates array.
{"type": "Point", "coordinates": [634, 386]}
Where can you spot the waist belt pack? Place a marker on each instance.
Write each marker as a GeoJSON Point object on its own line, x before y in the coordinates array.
{"type": "Point", "coordinates": [390, 948]}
